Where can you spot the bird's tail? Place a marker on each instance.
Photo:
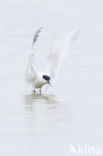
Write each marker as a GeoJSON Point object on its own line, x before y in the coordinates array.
{"type": "Point", "coordinates": [36, 36]}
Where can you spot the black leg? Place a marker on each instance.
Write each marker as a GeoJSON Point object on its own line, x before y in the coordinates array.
{"type": "Point", "coordinates": [40, 90]}
{"type": "Point", "coordinates": [34, 91]}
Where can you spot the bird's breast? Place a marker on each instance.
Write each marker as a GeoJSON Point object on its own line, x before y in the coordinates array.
{"type": "Point", "coordinates": [39, 84]}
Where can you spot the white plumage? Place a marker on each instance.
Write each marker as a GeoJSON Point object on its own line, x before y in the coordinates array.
{"type": "Point", "coordinates": [37, 79]}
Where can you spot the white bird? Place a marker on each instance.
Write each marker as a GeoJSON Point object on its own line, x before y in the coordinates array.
{"type": "Point", "coordinates": [38, 79]}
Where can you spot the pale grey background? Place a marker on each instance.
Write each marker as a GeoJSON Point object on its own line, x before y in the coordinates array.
{"type": "Point", "coordinates": [69, 113]}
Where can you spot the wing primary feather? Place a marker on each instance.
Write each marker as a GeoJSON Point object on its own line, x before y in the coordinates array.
{"type": "Point", "coordinates": [59, 52]}
{"type": "Point", "coordinates": [30, 73]}
{"type": "Point", "coordinates": [36, 36]}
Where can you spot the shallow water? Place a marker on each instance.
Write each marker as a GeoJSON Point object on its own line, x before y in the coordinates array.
{"type": "Point", "coordinates": [70, 112]}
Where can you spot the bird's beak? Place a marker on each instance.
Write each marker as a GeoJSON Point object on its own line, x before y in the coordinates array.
{"type": "Point", "coordinates": [49, 83]}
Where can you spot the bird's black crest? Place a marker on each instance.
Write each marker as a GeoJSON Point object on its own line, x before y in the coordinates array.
{"type": "Point", "coordinates": [45, 77]}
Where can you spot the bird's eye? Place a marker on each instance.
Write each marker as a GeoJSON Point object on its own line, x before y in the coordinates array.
{"type": "Point", "coordinates": [46, 77]}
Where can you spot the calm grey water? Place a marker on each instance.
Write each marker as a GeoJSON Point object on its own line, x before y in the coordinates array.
{"type": "Point", "coordinates": [69, 113]}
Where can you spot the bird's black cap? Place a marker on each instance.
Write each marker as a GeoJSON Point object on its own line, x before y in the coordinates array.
{"type": "Point", "coordinates": [46, 77]}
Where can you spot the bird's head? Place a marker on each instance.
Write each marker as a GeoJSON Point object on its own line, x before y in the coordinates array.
{"type": "Point", "coordinates": [46, 78]}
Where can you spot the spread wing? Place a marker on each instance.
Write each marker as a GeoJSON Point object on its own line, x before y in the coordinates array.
{"type": "Point", "coordinates": [31, 73]}
{"type": "Point", "coordinates": [58, 53]}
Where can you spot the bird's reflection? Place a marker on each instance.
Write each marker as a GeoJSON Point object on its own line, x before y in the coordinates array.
{"type": "Point", "coordinates": [32, 99]}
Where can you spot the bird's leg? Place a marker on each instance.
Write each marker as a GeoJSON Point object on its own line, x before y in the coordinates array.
{"type": "Point", "coordinates": [34, 91]}
{"type": "Point", "coordinates": [40, 90]}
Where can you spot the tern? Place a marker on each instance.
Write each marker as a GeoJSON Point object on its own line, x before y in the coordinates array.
{"type": "Point", "coordinates": [39, 79]}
